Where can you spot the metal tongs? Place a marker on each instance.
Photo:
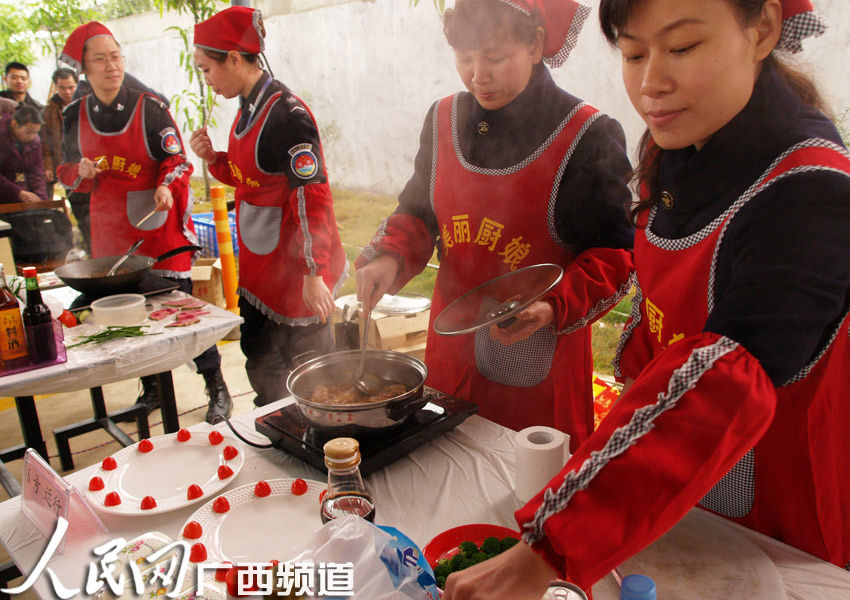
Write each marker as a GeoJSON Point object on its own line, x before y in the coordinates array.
{"type": "Point", "coordinates": [124, 257]}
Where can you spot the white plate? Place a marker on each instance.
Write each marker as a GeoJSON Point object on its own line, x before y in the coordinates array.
{"type": "Point", "coordinates": [166, 472]}
{"type": "Point", "coordinates": [259, 529]}
{"type": "Point", "coordinates": [702, 558]}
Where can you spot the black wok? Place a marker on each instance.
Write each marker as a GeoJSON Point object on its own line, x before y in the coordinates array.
{"type": "Point", "coordinates": [89, 276]}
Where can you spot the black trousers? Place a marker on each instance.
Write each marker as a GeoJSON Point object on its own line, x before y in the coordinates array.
{"type": "Point", "coordinates": [269, 348]}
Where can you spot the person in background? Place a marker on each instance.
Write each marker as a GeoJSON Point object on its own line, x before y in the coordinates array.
{"type": "Point", "coordinates": [291, 261]}
{"type": "Point", "coordinates": [37, 235]}
{"type": "Point", "coordinates": [21, 170]}
{"type": "Point", "coordinates": [65, 84]}
{"type": "Point", "coordinates": [736, 356]}
{"type": "Point", "coordinates": [513, 173]}
{"type": "Point", "coordinates": [123, 147]}
{"type": "Point", "coordinates": [17, 80]}
{"type": "Point", "coordinates": [7, 107]}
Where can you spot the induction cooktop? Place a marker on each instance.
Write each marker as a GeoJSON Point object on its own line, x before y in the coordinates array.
{"type": "Point", "coordinates": [288, 430]}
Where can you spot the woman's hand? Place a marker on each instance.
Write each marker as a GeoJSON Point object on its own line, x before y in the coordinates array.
{"type": "Point", "coordinates": [538, 315]}
{"type": "Point", "coordinates": [163, 198]}
{"type": "Point", "coordinates": [317, 297]}
{"type": "Point", "coordinates": [201, 144]}
{"type": "Point", "coordinates": [517, 573]}
{"type": "Point", "coordinates": [375, 279]}
{"type": "Point", "coordinates": [87, 169]}
{"type": "Point", "coordinates": [25, 196]}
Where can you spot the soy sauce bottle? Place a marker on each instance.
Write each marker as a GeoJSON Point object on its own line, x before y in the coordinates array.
{"type": "Point", "coordinates": [41, 342]}
{"type": "Point", "coordinates": [13, 339]}
{"type": "Point", "coordinates": [346, 492]}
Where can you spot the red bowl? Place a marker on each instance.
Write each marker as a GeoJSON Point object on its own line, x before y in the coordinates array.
{"type": "Point", "coordinates": [445, 545]}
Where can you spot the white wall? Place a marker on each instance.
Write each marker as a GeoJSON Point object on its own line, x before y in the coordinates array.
{"type": "Point", "coordinates": [369, 70]}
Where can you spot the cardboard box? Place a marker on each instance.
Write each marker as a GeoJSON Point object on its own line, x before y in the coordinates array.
{"type": "Point", "coordinates": [207, 282]}
{"type": "Point", "coordinates": [401, 333]}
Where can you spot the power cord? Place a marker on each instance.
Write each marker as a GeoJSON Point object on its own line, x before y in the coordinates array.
{"type": "Point", "coordinates": [250, 443]}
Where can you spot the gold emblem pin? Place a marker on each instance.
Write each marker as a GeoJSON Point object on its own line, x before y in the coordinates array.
{"type": "Point", "coordinates": [483, 128]}
{"type": "Point", "coordinates": [666, 200]}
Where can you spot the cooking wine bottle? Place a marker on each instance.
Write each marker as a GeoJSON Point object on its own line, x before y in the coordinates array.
{"type": "Point", "coordinates": [41, 343]}
{"type": "Point", "coordinates": [13, 340]}
{"type": "Point", "coordinates": [346, 492]}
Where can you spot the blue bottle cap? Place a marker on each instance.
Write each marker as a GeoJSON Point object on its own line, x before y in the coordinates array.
{"type": "Point", "coordinates": [637, 587]}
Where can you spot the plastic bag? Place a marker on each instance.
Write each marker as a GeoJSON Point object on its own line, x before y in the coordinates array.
{"type": "Point", "coordinates": [387, 565]}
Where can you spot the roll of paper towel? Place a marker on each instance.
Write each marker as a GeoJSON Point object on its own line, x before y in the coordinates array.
{"type": "Point", "coordinates": [540, 453]}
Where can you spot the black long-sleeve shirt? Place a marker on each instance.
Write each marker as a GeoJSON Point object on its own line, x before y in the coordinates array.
{"type": "Point", "coordinates": [113, 117]}
{"type": "Point", "coordinates": [795, 231]}
{"type": "Point", "coordinates": [591, 205]}
{"type": "Point", "coordinates": [288, 125]}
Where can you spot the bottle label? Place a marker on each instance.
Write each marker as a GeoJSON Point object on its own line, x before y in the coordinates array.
{"type": "Point", "coordinates": [12, 336]}
{"type": "Point", "coordinates": [32, 283]}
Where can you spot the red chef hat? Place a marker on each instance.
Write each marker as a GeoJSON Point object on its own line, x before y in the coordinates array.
{"type": "Point", "coordinates": [799, 21]}
{"type": "Point", "coordinates": [236, 28]}
{"type": "Point", "coordinates": [72, 53]}
{"type": "Point", "coordinates": [562, 22]}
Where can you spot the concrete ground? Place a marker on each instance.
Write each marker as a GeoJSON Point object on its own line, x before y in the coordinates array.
{"type": "Point", "coordinates": [63, 409]}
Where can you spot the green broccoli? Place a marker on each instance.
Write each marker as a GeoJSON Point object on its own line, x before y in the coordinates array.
{"type": "Point", "coordinates": [441, 582]}
{"type": "Point", "coordinates": [455, 561]}
{"type": "Point", "coordinates": [508, 542]}
{"type": "Point", "coordinates": [479, 557]}
{"type": "Point", "coordinates": [442, 568]}
{"type": "Point", "coordinates": [491, 546]}
{"type": "Point", "coordinates": [468, 548]}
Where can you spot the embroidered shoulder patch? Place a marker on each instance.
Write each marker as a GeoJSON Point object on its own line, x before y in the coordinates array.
{"type": "Point", "coordinates": [170, 141]}
{"type": "Point", "coordinates": [304, 163]}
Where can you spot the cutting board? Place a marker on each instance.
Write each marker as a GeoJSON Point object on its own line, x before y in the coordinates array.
{"type": "Point", "coordinates": [701, 558]}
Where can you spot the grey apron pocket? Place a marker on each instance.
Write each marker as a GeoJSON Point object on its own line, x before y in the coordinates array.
{"type": "Point", "coordinates": [259, 227]}
{"type": "Point", "coordinates": [139, 204]}
{"type": "Point", "coordinates": [522, 364]}
{"type": "Point", "coordinates": [733, 495]}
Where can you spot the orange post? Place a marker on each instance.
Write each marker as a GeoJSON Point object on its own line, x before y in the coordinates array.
{"type": "Point", "coordinates": [225, 246]}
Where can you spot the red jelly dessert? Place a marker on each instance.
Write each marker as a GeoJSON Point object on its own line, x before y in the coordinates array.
{"type": "Point", "coordinates": [262, 489]}
{"type": "Point", "coordinates": [193, 530]}
{"type": "Point", "coordinates": [221, 505]}
{"type": "Point", "coordinates": [299, 487]}
{"type": "Point", "coordinates": [198, 553]}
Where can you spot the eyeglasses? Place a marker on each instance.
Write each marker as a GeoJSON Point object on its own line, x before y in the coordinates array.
{"type": "Point", "coordinates": [101, 60]}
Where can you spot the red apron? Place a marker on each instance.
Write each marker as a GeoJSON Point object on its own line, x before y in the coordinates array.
{"type": "Point", "coordinates": [794, 485]}
{"type": "Point", "coordinates": [123, 195]}
{"type": "Point", "coordinates": [272, 237]}
{"type": "Point", "coordinates": [491, 222]}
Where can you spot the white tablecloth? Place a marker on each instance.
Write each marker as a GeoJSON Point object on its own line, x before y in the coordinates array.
{"type": "Point", "coordinates": [95, 365]}
{"type": "Point", "coordinates": [464, 476]}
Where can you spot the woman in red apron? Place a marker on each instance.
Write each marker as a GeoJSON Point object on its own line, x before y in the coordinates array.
{"type": "Point", "coordinates": [291, 261]}
{"type": "Point", "coordinates": [513, 173]}
{"type": "Point", "coordinates": [123, 147]}
{"type": "Point", "coordinates": [736, 356]}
